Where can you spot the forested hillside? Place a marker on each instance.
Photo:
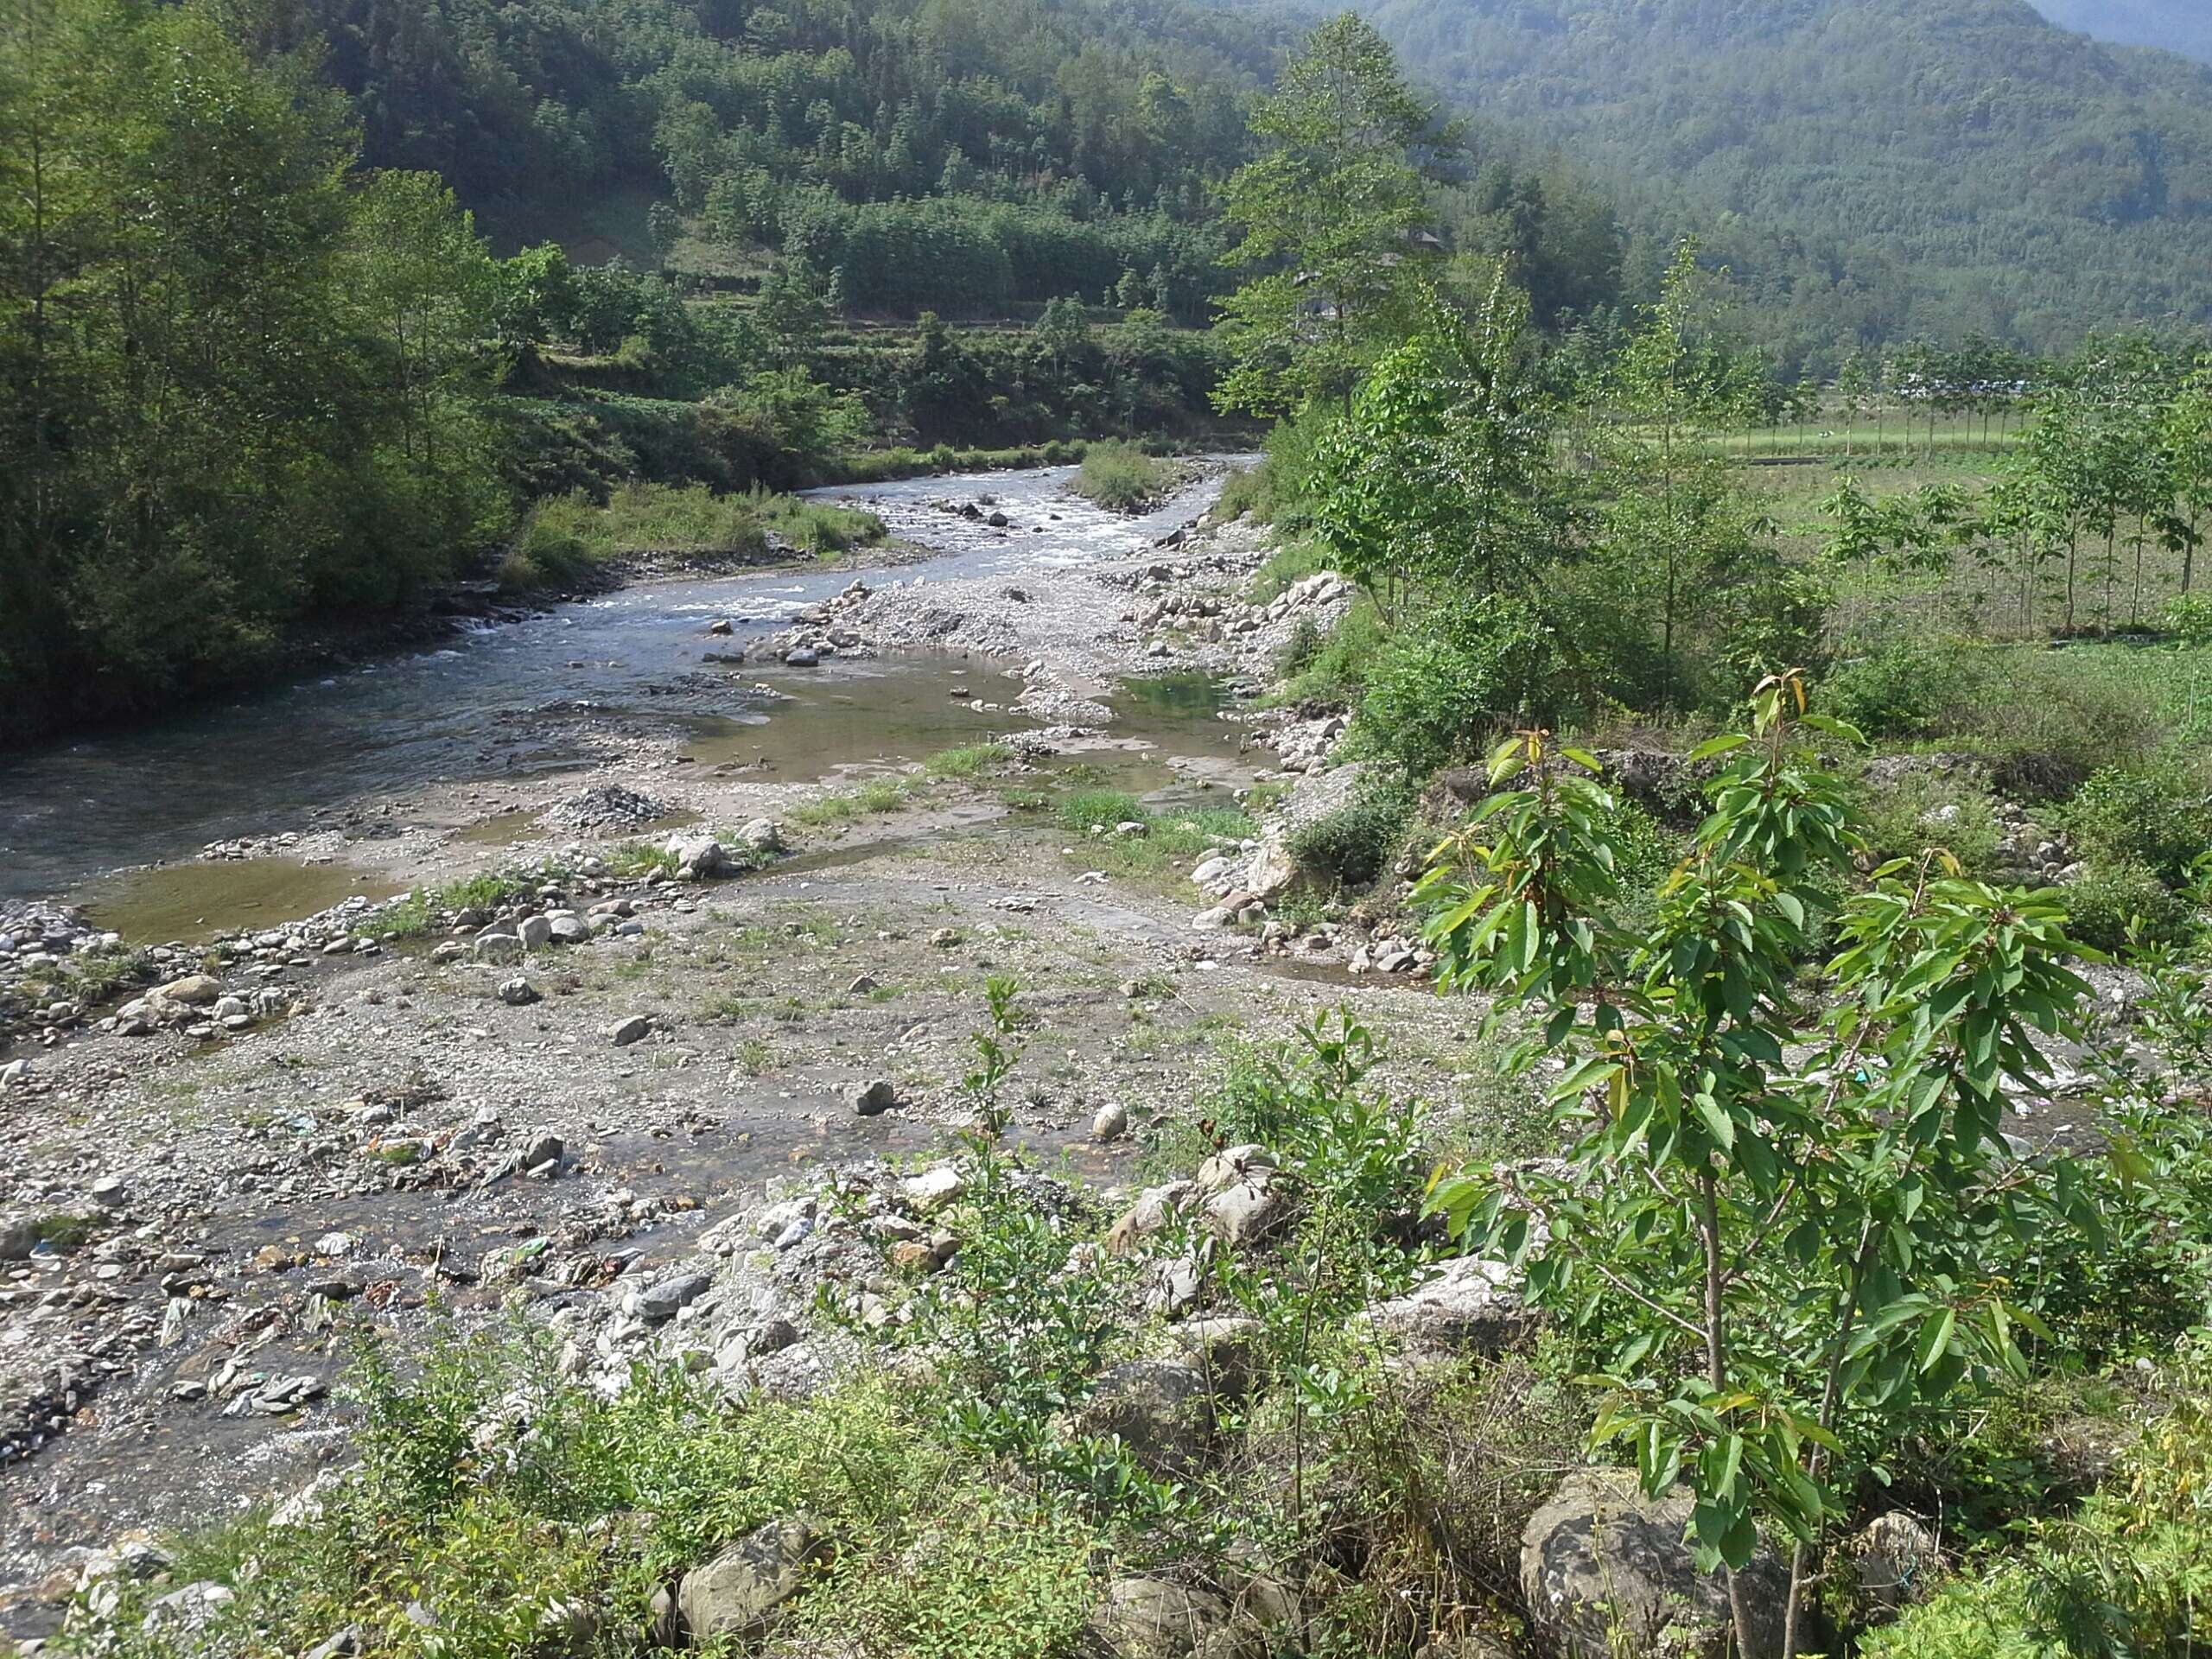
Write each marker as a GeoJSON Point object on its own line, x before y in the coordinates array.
{"type": "Point", "coordinates": [954, 155]}
{"type": "Point", "coordinates": [1871, 168]}
{"type": "Point", "coordinates": [2175, 25]}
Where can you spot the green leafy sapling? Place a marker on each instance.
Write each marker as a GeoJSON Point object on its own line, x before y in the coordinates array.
{"type": "Point", "coordinates": [1786, 1213]}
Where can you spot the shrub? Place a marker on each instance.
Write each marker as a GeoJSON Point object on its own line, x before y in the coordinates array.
{"type": "Point", "coordinates": [545, 556]}
{"type": "Point", "coordinates": [1351, 846]}
{"type": "Point", "coordinates": [2114, 900]}
{"type": "Point", "coordinates": [1247, 490]}
{"type": "Point", "coordinates": [1446, 681]}
{"type": "Point", "coordinates": [1289, 564]}
{"type": "Point", "coordinates": [1337, 672]}
{"type": "Point", "coordinates": [1122, 478]}
{"type": "Point", "coordinates": [1922, 810]}
{"type": "Point", "coordinates": [816, 526]}
{"type": "Point", "coordinates": [2189, 618]}
{"type": "Point", "coordinates": [2127, 1575]}
{"type": "Point", "coordinates": [2159, 817]}
{"type": "Point", "coordinates": [1299, 650]}
{"type": "Point", "coordinates": [1894, 690]}
{"type": "Point", "coordinates": [1288, 468]}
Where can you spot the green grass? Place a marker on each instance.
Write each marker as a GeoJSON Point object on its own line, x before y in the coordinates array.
{"type": "Point", "coordinates": [1171, 841]}
{"type": "Point", "coordinates": [968, 762]}
{"type": "Point", "coordinates": [1087, 809]}
{"type": "Point", "coordinates": [1333, 667]}
{"type": "Point", "coordinates": [1122, 478]}
{"type": "Point", "coordinates": [602, 1501]}
{"type": "Point", "coordinates": [1289, 565]}
{"type": "Point", "coordinates": [881, 465]}
{"type": "Point", "coordinates": [93, 977]}
{"type": "Point", "coordinates": [565, 538]}
{"type": "Point", "coordinates": [421, 911]}
{"type": "Point", "coordinates": [874, 799]}
{"type": "Point", "coordinates": [818, 527]}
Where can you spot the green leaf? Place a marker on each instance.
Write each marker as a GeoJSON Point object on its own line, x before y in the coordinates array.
{"type": "Point", "coordinates": [1935, 1340]}
{"type": "Point", "coordinates": [1722, 1127]}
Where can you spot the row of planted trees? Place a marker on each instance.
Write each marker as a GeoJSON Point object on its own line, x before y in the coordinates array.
{"type": "Point", "coordinates": [2094, 520]}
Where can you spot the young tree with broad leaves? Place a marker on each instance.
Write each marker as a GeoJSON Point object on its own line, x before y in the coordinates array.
{"type": "Point", "coordinates": [1678, 528]}
{"type": "Point", "coordinates": [1439, 478]}
{"type": "Point", "coordinates": [1789, 1223]}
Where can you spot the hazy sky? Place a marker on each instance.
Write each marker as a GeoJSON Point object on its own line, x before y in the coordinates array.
{"type": "Point", "coordinates": [2180, 25]}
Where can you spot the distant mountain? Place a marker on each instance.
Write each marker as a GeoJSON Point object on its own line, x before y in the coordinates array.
{"type": "Point", "coordinates": [1876, 167]}
{"type": "Point", "coordinates": [2183, 26]}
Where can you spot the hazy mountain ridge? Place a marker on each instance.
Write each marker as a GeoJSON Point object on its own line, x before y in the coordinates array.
{"type": "Point", "coordinates": [1882, 165]}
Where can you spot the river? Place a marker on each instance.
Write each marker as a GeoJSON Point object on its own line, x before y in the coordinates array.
{"type": "Point", "coordinates": [477, 708]}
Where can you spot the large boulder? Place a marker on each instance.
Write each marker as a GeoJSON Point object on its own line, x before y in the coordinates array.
{"type": "Point", "coordinates": [1250, 1211]}
{"type": "Point", "coordinates": [698, 858]}
{"type": "Point", "coordinates": [1160, 1409]}
{"type": "Point", "coordinates": [1472, 1306]}
{"type": "Point", "coordinates": [737, 1595]}
{"type": "Point", "coordinates": [19, 1236]}
{"type": "Point", "coordinates": [1604, 1569]}
{"type": "Point", "coordinates": [193, 991]}
{"type": "Point", "coordinates": [1227, 1351]}
{"type": "Point", "coordinates": [762, 836]}
{"type": "Point", "coordinates": [1244, 1201]}
{"type": "Point", "coordinates": [1896, 1559]}
{"type": "Point", "coordinates": [1149, 1618]}
{"type": "Point", "coordinates": [1273, 869]}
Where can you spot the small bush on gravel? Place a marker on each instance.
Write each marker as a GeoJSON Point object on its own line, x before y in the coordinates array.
{"type": "Point", "coordinates": [1087, 809]}
{"type": "Point", "coordinates": [1444, 683]}
{"type": "Point", "coordinates": [1122, 478]}
{"type": "Point", "coordinates": [1337, 672]}
{"type": "Point", "coordinates": [847, 806]}
{"type": "Point", "coordinates": [1351, 846]}
{"type": "Point", "coordinates": [1896, 689]}
{"type": "Point", "coordinates": [2114, 900]}
{"type": "Point", "coordinates": [2128, 1574]}
{"type": "Point", "coordinates": [1923, 809]}
{"type": "Point", "coordinates": [419, 913]}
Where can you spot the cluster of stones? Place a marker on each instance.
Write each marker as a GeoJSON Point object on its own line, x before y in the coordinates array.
{"type": "Point", "coordinates": [823, 629]}
{"type": "Point", "coordinates": [1214, 620]}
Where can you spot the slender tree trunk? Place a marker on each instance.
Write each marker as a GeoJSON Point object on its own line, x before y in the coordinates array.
{"type": "Point", "coordinates": [1800, 1559]}
{"type": "Point", "coordinates": [1716, 1355]}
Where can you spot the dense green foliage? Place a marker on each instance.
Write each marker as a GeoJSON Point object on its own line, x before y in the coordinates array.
{"type": "Point", "coordinates": [238, 384]}
{"type": "Point", "coordinates": [1872, 169]}
{"type": "Point", "coordinates": [916, 152]}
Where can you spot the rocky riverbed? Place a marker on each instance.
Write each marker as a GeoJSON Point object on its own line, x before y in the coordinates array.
{"type": "Point", "coordinates": [259, 1127]}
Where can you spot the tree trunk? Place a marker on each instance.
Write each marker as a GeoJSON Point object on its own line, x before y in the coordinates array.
{"type": "Point", "coordinates": [1716, 1354]}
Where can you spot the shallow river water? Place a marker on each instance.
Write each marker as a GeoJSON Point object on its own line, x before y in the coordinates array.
{"type": "Point", "coordinates": [492, 704]}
